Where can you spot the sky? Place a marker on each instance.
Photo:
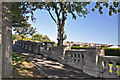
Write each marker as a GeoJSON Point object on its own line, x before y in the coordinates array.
{"type": "Point", "coordinates": [95, 28]}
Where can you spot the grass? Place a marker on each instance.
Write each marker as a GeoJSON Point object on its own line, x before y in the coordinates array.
{"type": "Point", "coordinates": [23, 68]}
{"type": "Point", "coordinates": [110, 70]}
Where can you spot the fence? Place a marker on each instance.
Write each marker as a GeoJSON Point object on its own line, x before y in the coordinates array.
{"type": "Point", "coordinates": [91, 60]}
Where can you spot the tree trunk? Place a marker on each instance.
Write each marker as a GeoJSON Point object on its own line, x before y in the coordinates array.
{"type": "Point", "coordinates": [6, 55]}
{"type": "Point", "coordinates": [60, 35]}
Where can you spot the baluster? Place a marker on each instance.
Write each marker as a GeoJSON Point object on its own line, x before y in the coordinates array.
{"type": "Point", "coordinates": [118, 69]}
{"type": "Point", "coordinates": [30, 46]}
{"type": "Point", "coordinates": [33, 48]}
{"type": "Point", "coordinates": [72, 58]}
{"type": "Point", "coordinates": [75, 58]}
{"type": "Point", "coordinates": [21, 44]}
{"type": "Point", "coordinates": [27, 46]}
{"type": "Point", "coordinates": [69, 57]}
{"type": "Point", "coordinates": [101, 66]}
{"type": "Point", "coordinates": [114, 69]}
{"type": "Point", "coordinates": [80, 58]}
{"type": "Point", "coordinates": [36, 47]}
{"type": "Point", "coordinates": [107, 67]}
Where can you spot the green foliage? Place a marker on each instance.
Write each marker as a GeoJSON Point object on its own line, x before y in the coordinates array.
{"type": "Point", "coordinates": [85, 46]}
{"type": "Point", "coordinates": [112, 6]}
{"type": "Point", "coordinates": [19, 20]}
{"type": "Point", "coordinates": [14, 36]}
{"type": "Point", "coordinates": [25, 31]}
{"type": "Point", "coordinates": [37, 37]}
{"type": "Point", "coordinates": [64, 36]}
{"type": "Point", "coordinates": [112, 52]}
{"type": "Point", "coordinates": [61, 8]}
{"type": "Point", "coordinates": [26, 38]}
{"type": "Point", "coordinates": [103, 46]}
{"type": "Point", "coordinates": [55, 44]}
{"type": "Point", "coordinates": [77, 47]}
{"type": "Point", "coordinates": [45, 39]}
{"type": "Point", "coordinates": [18, 11]}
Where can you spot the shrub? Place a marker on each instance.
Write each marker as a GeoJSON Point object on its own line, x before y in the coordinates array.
{"type": "Point", "coordinates": [86, 46]}
{"type": "Point", "coordinates": [112, 52]}
{"type": "Point", "coordinates": [77, 47]}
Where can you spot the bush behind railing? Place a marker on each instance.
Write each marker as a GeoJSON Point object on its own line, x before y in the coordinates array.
{"type": "Point", "coordinates": [77, 47]}
{"type": "Point", "coordinates": [112, 52]}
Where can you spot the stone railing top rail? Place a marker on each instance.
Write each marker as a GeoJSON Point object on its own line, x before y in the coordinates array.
{"type": "Point", "coordinates": [36, 42]}
{"type": "Point", "coordinates": [75, 50]}
{"type": "Point", "coordinates": [49, 42]}
{"type": "Point", "coordinates": [94, 48]}
{"type": "Point", "coordinates": [111, 58]}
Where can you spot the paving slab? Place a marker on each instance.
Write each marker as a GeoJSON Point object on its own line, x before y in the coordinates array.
{"type": "Point", "coordinates": [51, 68]}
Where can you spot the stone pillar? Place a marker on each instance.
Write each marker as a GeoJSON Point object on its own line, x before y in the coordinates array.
{"type": "Point", "coordinates": [48, 44]}
{"type": "Point", "coordinates": [38, 47]}
{"type": "Point", "coordinates": [6, 41]}
{"type": "Point", "coordinates": [91, 66]}
{"type": "Point", "coordinates": [34, 47]}
{"type": "Point", "coordinates": [61, 55]}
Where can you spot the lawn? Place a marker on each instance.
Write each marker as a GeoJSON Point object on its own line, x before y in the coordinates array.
{"type": "Point", "coordinates": [23, 68]}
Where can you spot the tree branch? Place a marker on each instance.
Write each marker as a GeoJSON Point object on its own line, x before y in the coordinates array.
{"type": "Point", "coordinates": [60, 9]}
{"type": "Point", "coordinates": [56, 11]}
{"type": "Point", "coordinates": [63, 13]}
{"type": "Point", "coordinates": [52, 16]}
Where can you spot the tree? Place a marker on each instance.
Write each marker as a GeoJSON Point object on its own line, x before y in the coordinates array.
{"type": "Point", "coordinates": [37, 37]}
{"type": "Point", "coordinates": [14, 36]}
{"type": "Point", "coordinates": [40, 37]}
{"type": "Point", "coordinates": [113, 7]}
{"type": "Point", "coordinates": [45, 39]}
{"type": "Point", "coordinates": [25, 31]}
{"type": "Point", "coordinates": [19, 20]}
{"type": "Point", "coordinates": [62, 9]}
{"type": "Point", "coordinates": [18, 11]}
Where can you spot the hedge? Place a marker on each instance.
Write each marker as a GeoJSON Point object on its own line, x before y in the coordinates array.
{"type": "Point", "coordinates": [77, 47]}
{"type": "Point", "coordinates": [112, 52]}
{"type": "Point", "coordinates": [108, 51]}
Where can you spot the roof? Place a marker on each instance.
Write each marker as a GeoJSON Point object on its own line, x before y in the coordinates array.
{"type": "Point", "coordinates": [114, 46]}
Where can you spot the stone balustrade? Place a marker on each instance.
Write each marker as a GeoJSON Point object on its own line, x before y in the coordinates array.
{"type": "Point", "coordinates": [36, 47]}
{"type": "Point", "coordinates": [75, 58]}
{"type": "Point", "coordinates": [91, 60]}
{"type": "Point", "coordinates": [109, 66]}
